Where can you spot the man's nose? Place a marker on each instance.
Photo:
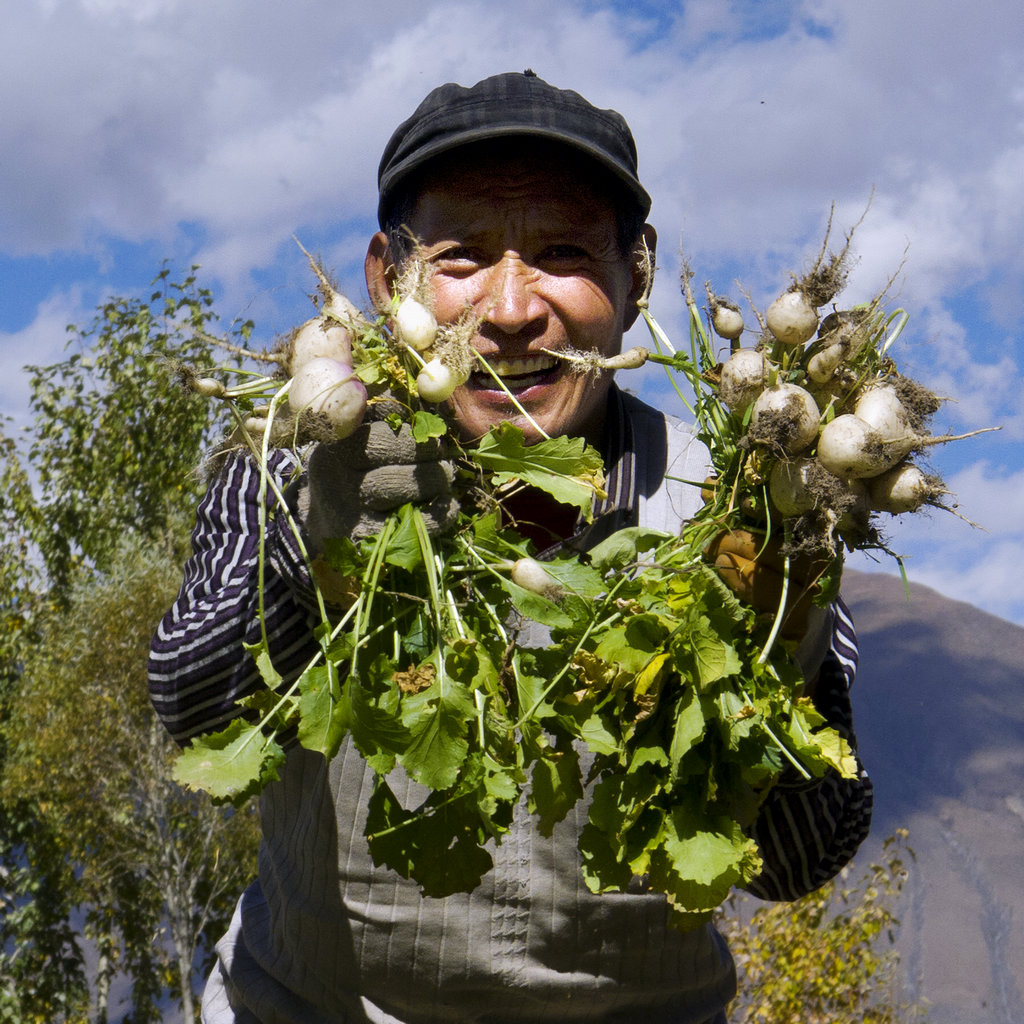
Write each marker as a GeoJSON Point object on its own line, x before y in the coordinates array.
{"type": "Point", "coordinates": [512, 302]}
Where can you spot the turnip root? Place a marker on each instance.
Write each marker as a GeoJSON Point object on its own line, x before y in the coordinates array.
{"type": "Point", "coordinates": [785, 417]}
{"type": "Point", "coordinates": [791, 486]}
{"type": "Point", "coordinates": [339, 308]}
{"type": "Point", "coordinates": [791, 318]}
{"type": "Point", "coordinates": [330, 388]}
{"type": "Point", "coordinates": [742, 379]}
{"type": "Point", "coordinates": [726, 318]}
{"type": "Point", "coordinates": [209, 387]}
{"type": "Point", "coordinates": [529, 574]}
{"type": "Point", "coordinates": [415, 325]}
{"type": "Point", "coordinates": [904, 488]}
{"type": "Point", "coordinates": [632, 359]}
{"type": "Point", "coordinates": [850, 447]}
{"type": "Point", "coordinates": [591, 361]}
{"type": "Point", "coordinates": [315, 339]}
{"type": "Point", "coordinates": [827, 505]}
{"type": "Point", "coordinates": [841, 336]}
{"type": "Point", "coordinates": [436, 382]}
{"type": "Point", "coordinates": [282, 428]}
{"type": "Point", "coordinates": [880, 407]}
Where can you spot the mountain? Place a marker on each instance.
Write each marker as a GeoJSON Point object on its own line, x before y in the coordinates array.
{"type": "Point", "coordinates": [939, 711]}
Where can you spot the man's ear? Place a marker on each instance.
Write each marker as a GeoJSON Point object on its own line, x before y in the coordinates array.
{"type": "Point", "coordinates": [643, 262]}
{"type": "Point", "coordinates": [379, 270]}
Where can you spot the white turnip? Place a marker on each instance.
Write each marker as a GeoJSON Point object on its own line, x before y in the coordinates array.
{"type": "Point", "coordinates": [791, 486]}
{"type": "Point", "coordinates": [330, 388]}
{"type": "Point", "coordinates": [415, 325]}
{"type": "Point", "coordinates": [529, 574]}
{"type": "Point", "coordinates": [880, 407]}
{"type": "Point", "coordinates": [842, 336]}
{"type": "Point", "coordinates": [785, 417]}
{"type": "Point", "coordinates": [436, 382]}
{"type": "Point", "coordinates": [904, 488]}
{"type": "Point", "coordinates": [726, 318]}
{"type": "Point", "coordinates": [850, 447]}
{"type": "Point", "coordinates": [318, 339]}
{"type": "Point", "coordinates": [209, 387]}
{"type": "Point", "coordinates": [339, 308]}
{"type": "Point", "coordinates": [742, 379]}
{"type": "Point", "coordinates": [791, 318]}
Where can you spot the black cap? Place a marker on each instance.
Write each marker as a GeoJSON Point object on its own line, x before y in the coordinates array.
{"type": "Point", "coordinates": [508, 105]}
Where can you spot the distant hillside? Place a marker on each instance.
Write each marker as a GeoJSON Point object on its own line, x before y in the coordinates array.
{"type": "Point", "coordinates": [939, 707]}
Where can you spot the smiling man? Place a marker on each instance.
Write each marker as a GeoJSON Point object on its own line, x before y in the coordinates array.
{"type": "Point", "coordinates": [526, 233]}
{"type": "Point", "coordinates": [527, 202]}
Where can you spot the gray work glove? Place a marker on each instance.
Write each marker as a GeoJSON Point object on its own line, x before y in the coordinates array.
{"type": "Point", "coordinates": [351, 485]}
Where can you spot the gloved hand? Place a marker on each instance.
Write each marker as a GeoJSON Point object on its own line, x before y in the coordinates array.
{"type": "Point", "coordinates": [351, 485]}
{"type": "Point", "coordinates": [753, 570]}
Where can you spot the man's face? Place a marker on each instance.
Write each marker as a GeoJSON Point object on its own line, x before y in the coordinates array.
{"type": "Point", "coordinates": [523, 236]}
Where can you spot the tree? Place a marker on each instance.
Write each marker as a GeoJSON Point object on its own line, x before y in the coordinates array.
{"type": "Point", "coordinates": [41, 974]}
{"type": "Point", "coordinates": [151, 860]}
{"type": "Point", "coordinates": [827, 958]}
{"type": "Point", "coordinates": [116, 438]}
{"type": "Point", "coordinates": [93, 516]}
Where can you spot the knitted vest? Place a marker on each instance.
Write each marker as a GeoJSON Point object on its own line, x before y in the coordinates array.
{"type": "Point", "coordinates": [326, 936]}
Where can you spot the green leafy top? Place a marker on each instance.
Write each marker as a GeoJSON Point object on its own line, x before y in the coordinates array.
{"type": "Point", "coordinates": [685, 697]}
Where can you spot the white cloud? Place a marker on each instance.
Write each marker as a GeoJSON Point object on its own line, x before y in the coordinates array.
{"type": "Point", "coordinates": [41, 343]}
{"type": "Point", "coordinates": [124, 120]}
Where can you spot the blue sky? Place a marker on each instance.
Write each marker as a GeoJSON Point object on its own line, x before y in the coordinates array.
{"type": "Point", "coordinates": [134, 131]}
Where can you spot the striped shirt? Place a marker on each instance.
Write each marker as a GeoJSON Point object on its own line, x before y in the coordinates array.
{"type": "Point", "coordinates": [325, 935]}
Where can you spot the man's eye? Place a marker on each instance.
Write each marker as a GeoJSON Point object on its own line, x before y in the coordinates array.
{"type": "Point", "coordinates": [456, 258]}
{"type": "Point", "coordinates": [563, 254]}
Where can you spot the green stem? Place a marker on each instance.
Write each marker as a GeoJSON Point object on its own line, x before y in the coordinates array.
{"type": "Point", "coordinates": [592, 626]}
{"type": "Point", "coordinates": [660, 339]}
{"type": "Point", "coordinates": [780, 612]}
{"type": "Point", "coordinates": [786, 752]}
{"type": "Point", "coordinates": [512, 398]}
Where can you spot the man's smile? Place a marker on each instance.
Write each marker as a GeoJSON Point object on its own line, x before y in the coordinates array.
{"type": "Point", "coordinates": [517, 373]}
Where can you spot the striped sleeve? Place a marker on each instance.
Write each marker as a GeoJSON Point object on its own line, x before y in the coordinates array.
{"type": "Point", "coordinates": [198, 668]}
{"type": "Point", "coordinates": [807, 832]}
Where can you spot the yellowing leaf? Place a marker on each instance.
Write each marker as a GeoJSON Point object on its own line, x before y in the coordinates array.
{"type": "Point", "coordinates": [650, 673]}
{"type": "Point", "coordinates": [231, 764]}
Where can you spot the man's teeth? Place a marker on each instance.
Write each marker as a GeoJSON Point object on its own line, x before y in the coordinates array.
{"type": "Point", "coordinates": [522, 367]}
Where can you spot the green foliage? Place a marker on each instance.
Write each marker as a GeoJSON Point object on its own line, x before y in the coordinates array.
{"type": "Point", "coordinates": [41, 970]}
{"type": "Point", "coordinates": [86, 750]}
{"type": "Point", "coordinates": [656, 670]}
{"type": "Point", "coordinates": [94, 513]}
{"type": "Point", "coordinates": [115, 441]}
{"type": "Point", "coordinates": [827, 958]}
{"type": "Point", "coordinates": [568, 469]}
{"type": "Point", "coordinates": [19, 573]}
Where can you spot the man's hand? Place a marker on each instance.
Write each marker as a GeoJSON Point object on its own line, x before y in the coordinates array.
{"type": "Point", "coordinates": [352, 485]}
{"type": "Point", "coordinates": [753, 568]}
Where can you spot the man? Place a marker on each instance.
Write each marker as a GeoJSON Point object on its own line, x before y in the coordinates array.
{"type": "Point", "coordinates": [527, 202]}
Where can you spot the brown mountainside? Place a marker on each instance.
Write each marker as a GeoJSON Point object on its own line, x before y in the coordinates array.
{"type": "Point", "coordinates": [939, 706]}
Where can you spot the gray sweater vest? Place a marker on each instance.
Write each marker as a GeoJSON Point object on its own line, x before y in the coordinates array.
{"type": "Point", "coordinates": [326, 936]}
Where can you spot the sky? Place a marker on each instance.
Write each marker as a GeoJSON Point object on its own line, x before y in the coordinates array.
{"type": "Point", "coordinates": [214, 132]}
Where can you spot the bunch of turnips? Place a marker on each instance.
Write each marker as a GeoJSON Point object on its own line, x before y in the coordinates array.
{"type": "Point", "coordinates": [812, 428]}
{"type": "Point", "coordinates": [688, 701]}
